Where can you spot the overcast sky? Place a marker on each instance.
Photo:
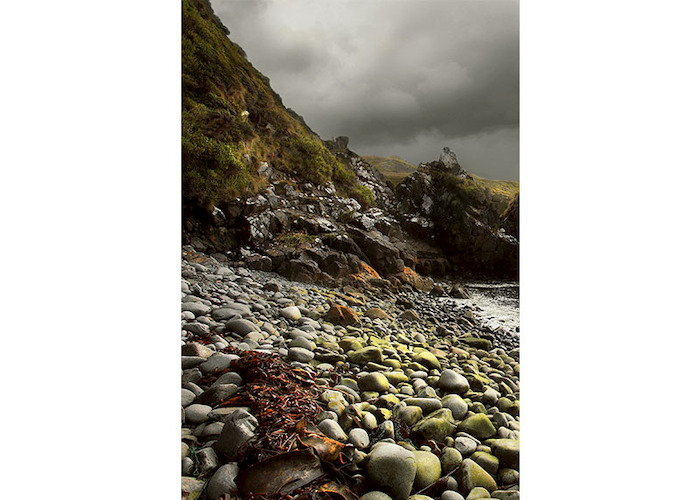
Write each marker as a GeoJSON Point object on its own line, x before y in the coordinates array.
{"type": "Point", "coordinates": [399, 77]}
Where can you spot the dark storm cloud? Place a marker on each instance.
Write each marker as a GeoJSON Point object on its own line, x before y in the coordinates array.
{"type": "Point", "coordinates": [398, 77]}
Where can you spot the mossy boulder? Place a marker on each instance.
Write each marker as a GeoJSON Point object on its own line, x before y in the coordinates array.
{"type": "Point", "coordinates": [427, 469]}
{"type": "Point", "coordinates": [478, 426]}
{"type": "Point", "coordinates": [395, 378]}
{"type": "Point", "coordinates": [436, 426]}
{"type": "Point", "coordinates": [410, 414]}
{"type": "Point", "coordinates": [427, 359]}
{"type": "Point", "coordinates": [392, 468]}
{"type": "Point", "coordinates": [365, 355]}
{"type": "Point", "coordinates": [470, 475]}
{"type": "Point", "coordinates": [373, 382]}
{"type": "Point", "coordinates": [487, 461]}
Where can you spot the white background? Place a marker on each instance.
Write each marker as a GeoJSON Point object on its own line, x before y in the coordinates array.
{"type": "Point", "coordinates": [90, 249]}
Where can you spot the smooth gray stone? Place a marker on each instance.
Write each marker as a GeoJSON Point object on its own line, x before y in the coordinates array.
{"type": "Point", "coordinates": [196, 328]}
{"type": "Point", "coordinates": [186, 397]}
{"type": "Point", "coordinates": [291, 313]}
{"type": "Point", "coordinates": [333, 430]}
{"type": "Point", "coordinates": [217, 394]}
{"type": "Point", "coordinates": [456, 404]}
{"type": "Point", "coordinates": [359, 438]}
{"type": "Point", "coordinates": [229, 378]}
{"type": "Point", "coordinates": [188, 362]}
{"type": "Point", "coordinates": [453, 382]}
{"type": "Point", "coordinates": [465, 446]}
{"type": "Point", "coordinates": [241, 326]}
{"type": "Point", "coordinates": [302, 342]}
{"type": "Point", "coordinates": [223, 481]}
{"type": "Point", "coordinates": [191, 386]}
{"type": "Point", "coordinates": [196, 308]}
{"type": "Point", "coordinates": [218, 361]}
{"type": "Point", "coordinates": [197, 413]}
{"type": "Point", "coordinates": [300, 354]}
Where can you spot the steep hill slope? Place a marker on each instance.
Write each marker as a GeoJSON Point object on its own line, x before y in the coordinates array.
{"type": "Point", "coordinates": [234, 126]}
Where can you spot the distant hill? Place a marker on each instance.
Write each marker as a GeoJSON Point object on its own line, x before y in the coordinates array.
{"type": "Point", "coordinates": [394, 169]}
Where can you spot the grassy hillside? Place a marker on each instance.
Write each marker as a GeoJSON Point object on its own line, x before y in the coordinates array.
{"type": "Point", "coordinates": [503, 191]}
{"type": "Point", "coordinates": [394, 169]}
{"type": "Point", "coordinates": [232, 120]}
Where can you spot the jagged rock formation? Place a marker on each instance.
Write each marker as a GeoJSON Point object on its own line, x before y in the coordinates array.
{"type": "Point", "coordinates": [260, 186]}
{"type": "Point", "coordinates": [449, 161]}
{"type": "Point", "coordinates": [456, 216]}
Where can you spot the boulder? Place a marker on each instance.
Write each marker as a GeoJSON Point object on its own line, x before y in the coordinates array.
{"type": "Point", "coordinates": [470, 475]}
{"type": "Point", "coordinates": [393, 469]}
{"type": "Point", "coordinates": [427, 469]}
{"type": "Point", "coordinates": [342, 315]}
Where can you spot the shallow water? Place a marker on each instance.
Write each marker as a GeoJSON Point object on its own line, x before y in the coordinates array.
{"type": "Point", "coordinates": [496, 305]}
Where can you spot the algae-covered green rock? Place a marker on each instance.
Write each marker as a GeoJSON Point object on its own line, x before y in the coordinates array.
{"type": "Point", "coordinates": [487, 461]}
{"type": "Point", "coordinates": [419, 497]}
{"type": "Point", "coordinates": [437, 426]}
{"type": "Point", "coordinates": [450, 459]}
{"type": "Point", "coordinates": [350, 344]}
{"type": "Point", "coordinates": [477, 407]}
{"type": "Point", "coordinates": [503, 404]}
{"type": "Point", "coordinates": [427, 359]}
{"type": "Point", "coordinates": [427, 469]}
{"type": "Point", "coordinates": [392, 363]}
{"type": "Point", "coordinates": [393, 469]}
{"type": "Point", "coordinates": [373, 382]}
{"type": "Point", "coordinates": [395, 378]}
{"type": "Point", "coordinates": [469, 475]}
{"type": "Point", "coordinates": [365, 355]}
{"type": "Point", "coordinates": [410, 414]}
{"type": "Point", "coordinates": [478, 492]}
{"type": "Point", "coordinates": [507, 451]}
{"type": "Point", "coordinates": [478, 343]}
{"type": "Point", "coordinates": [478, 426]}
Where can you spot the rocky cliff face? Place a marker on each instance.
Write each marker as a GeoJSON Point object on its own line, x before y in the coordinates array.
{"type": "Point", "coordinates": [510, 221]}
{"type": "Point", "coordinates": [452, 213]}
{"type": "Point", "coordinates": [260, 186]}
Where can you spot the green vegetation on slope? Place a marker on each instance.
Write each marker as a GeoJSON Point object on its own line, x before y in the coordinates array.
{"type": "Point", "coordinates": [394, 169]}
{"type": "Point", "coordinates": [232, 120]}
